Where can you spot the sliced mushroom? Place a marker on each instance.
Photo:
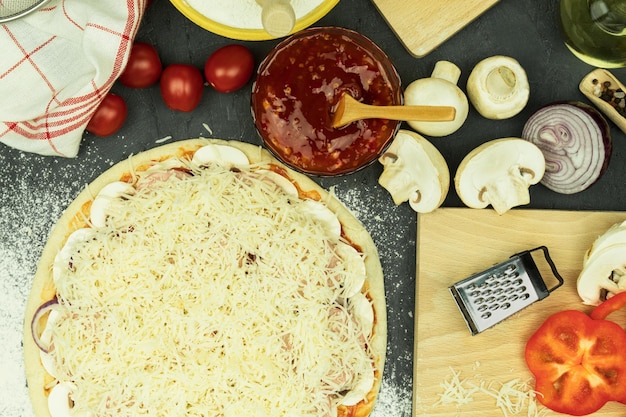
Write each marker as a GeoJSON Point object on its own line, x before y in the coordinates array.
{"type": "Point", "coordinates": [363, 313]}
{"type": "Point", "coordinates": [498, 87]}
{"type": "Point", "coordinates": [604, 266]}
{"type": "Point", "coordinates": [47, 358]}
{"type": "Point", "coordinates": [280, 181]}
{"type": "Point", "coordinates": [359, 392]}
{"type": "Point", "coordinates": [63, 258]}
{"type": "Point", "coordinates": [224, 155]}
{"type": "Point", "coordinates": [499, 173]}
{"type": "Point", "coordinates": [439, 90]}
{"type": "Point", "coordinates": [60, 401]}
{"type": "Point", "coordinates": [356, 272]}
{"type": "Point", "coordinates": [102, 202]}
{"type": "Point", "coordinates": [615, 234]}
{"type": "Point", "coordinates": [603, 274]}
{"type": "Point", "coordinates": [325, 216]}
{"type": "Point", "coordinates": [414, 171]}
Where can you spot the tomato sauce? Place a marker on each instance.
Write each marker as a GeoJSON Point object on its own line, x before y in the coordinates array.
{"type": "Point", "coordinates": [299, 84]}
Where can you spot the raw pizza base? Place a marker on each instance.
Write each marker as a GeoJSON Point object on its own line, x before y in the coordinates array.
{"type": "Point", "coordinates": [76, 213]}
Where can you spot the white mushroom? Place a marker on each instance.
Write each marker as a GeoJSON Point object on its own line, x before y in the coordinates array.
{"type": "Point", "coordinates": [280, 181]}
{"type": "Point", "coordinates": [604, 266]}
{"type": "Point", "coordinates": [102, 202]}
{"type": "Point", "coordinates": [363, 313]}
{"type": "Point", "coordinates": [74, 242]}
{"type": "Point", "coordinates": [47, 359]}
{"type": "Point", "coordinates": [615, 234]}
{"type": "Point", "coordinates": [166, 165]}
{"type": "Point", "coordinates": [59, 400]}
{"type": "Point", "coordinates": [359, 392]}
{"type": "Point", "coordinates": [414, 171]}
{"type": "Point", "coordinates": [499, 173]}
{"type": "Point", "coordinates": [356, 272]}
{"type": "Point", "coordinates": [439, 90]}
{"type": "Point", "coordinates": [498, 87]}
{"type": "Point", "coordinates": [603, 274]}
{"type": "Point", "coordinates": [325, 216]}
{"type": "Point", "coordinates": [225, 155]}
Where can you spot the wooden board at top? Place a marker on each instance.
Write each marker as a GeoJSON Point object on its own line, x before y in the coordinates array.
{"type": "Point", "coordinates": [423, 25]}
{"type": "Point", "coordinates": [455, 243]}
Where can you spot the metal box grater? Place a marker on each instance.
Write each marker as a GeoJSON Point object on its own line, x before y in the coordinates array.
{"type": "Point", "coordinates": [497, 293]}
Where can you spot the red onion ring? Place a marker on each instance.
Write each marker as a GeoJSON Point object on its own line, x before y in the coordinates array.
{"type": "Point", "coordinates": [42, 311]}
{"type": "Point", "coordinates": [576, 143]}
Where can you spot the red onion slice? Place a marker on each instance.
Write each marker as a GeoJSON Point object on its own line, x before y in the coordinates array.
{"type": "Point", "coordinates": [41, 312]}
{"type": "Point", "coordinates": [576, 142]}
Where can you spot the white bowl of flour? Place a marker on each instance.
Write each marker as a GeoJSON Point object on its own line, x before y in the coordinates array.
{"type": "Point", "coordinates": [241, 19]}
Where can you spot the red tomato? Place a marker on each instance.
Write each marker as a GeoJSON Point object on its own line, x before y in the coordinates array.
{"type": "Point", "coordinates": [229, 68]}
{"type": "Point", "coordinates": [181, 87]}
{"type": "Point", "coordinates": [143, 68]}
{"type": "Point", "coordinates": [109, 116]}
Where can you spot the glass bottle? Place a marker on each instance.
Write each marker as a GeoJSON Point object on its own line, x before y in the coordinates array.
{"type": "Point", "coordinates": [595, 31]}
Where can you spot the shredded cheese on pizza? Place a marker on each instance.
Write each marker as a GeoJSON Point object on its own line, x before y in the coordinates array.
{"type": "Point", "coordinates": [209, 294]}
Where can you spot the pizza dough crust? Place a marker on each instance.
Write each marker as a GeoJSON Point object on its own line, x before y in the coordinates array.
{"type": "Point", "coordinates": [74, 217]}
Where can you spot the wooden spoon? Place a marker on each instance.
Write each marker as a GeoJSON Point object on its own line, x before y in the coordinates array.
{"type": "Point", "coordinates": [590, 89]}
{"type": "Point", "coordinates": [348, 110]}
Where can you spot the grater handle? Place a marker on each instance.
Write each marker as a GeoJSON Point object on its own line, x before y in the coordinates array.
{"type": "Point", "coordinates": [550, 262]}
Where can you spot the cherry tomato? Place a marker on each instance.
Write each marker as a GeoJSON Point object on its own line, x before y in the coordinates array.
{"type": "Point", "coordinates": [229, 68]}
{"type": "Point", "coordinates": [143, 68]}
{"type": "Point", "coordinates": [181, 87]}
{"type": "Point", "coordinates": [109, 116]}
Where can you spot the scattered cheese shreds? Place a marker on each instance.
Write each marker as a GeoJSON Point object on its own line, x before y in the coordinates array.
{"type": "Point", "coordinates": [456, 390]}
{"type": "Point", "coordinates": [163, 139]}
{"type": "Point", "coordinates": [513, 397]}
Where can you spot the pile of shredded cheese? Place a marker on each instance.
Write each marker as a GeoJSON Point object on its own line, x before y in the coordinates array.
{"type": "Point", "coordinates": [514, 397]}
{"type": "Point", "coordinates": [215, 294]}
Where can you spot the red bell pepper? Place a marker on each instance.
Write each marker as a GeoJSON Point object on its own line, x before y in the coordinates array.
{"type": "Point", "coordinates": [612, 304]}
{"type": "Point", "coordinates": [607, 307]}
{"type": "Point", "coordinates": [579, 363]}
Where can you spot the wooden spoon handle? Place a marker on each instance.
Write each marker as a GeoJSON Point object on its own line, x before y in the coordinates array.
{"type": "Point", "coordinates": [349, 110]}
{"type": "Point", "coordinates": [421, 113]}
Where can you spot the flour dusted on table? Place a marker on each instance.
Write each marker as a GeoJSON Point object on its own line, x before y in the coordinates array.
{"type": "Point", "coordinates": [29, 205]}
{"type": "Point", "coordinates": [245, 14]}
{"type": "Point", "coordinates": [26, 215]}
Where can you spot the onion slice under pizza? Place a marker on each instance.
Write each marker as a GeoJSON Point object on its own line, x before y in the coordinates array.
{"type": "Point", "coordinates": [204, 278]}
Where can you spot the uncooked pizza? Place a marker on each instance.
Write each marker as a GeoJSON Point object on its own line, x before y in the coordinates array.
{"type": "Point", "coordinates": [204, 278]}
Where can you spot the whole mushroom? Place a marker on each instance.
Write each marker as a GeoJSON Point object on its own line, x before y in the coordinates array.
{"type": "Point", "coordinates": [499, 172]}
{"type": "Point", "coordinates": [414, 171]}
{"type": "Point", "coordinates": [439, 90]}
{"type": "Point", "coordinates": [498, 87]}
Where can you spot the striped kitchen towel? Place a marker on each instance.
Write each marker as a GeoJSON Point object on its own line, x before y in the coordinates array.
{"type": "Point", "coordinates": [56, 66]}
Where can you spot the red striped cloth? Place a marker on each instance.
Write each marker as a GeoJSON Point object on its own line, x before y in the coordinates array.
{"type": "Point", "coordinates": [56, 65]}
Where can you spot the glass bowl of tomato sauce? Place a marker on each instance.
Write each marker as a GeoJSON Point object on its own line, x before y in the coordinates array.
{"type": "Point", "coordinates": [298, 86]}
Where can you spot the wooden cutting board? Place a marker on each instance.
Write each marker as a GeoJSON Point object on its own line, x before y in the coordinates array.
{"type": "Point", "coordinates": [423, 25]}
{"type": "Point", "coordinates": [455, 243]}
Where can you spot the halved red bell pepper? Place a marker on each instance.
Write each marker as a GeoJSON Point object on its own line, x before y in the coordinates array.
{"type": "Point", "coordinates": [617, 302]}
{"type": "Point", "coordinates": [579, 363]}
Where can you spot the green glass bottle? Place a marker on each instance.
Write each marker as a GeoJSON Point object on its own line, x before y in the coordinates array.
{"type": "Point", "coordinates": [595, 31]}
